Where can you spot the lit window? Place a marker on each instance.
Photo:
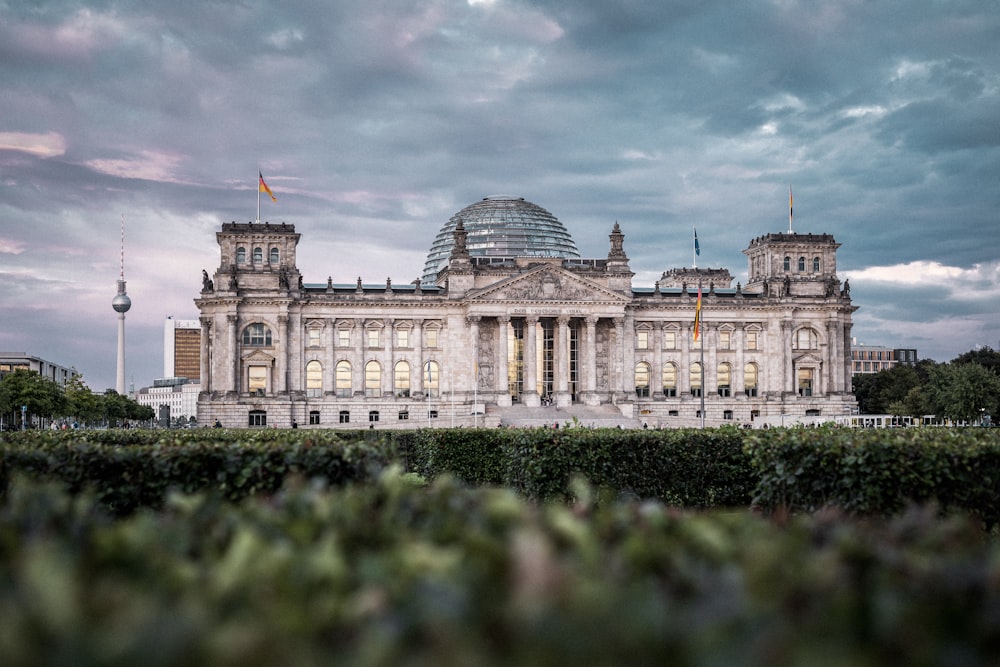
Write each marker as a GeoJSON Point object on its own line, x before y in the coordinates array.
{"type": "Point", "coordinates": [432, 375]}
{"type": "Point", "coordinates": [373, 379]}
{"type": "Point", "coordinates": [403, 338]}
{"type": "Point", "coordinates": [343, 379]}
{"type": "Point", "coordinates": [257, 335]}
{"type": "Point", "coordinates": [274, 256]}
{"type": "Point", "coordinates": [257, 379]}
{"type": "Point", "coordinates": [401, 379]}
{"type": "Point", "coordinates": [314, 379]}
{"type": "Point", "coordinates": [669, 340]}
{"type": "Point", "coordinates": [750, 380]}
{"type": "Point", "coordinates": [431, 338]}
{"type": "Point", "coordinates": [344, 337]}
{"type": "Point", "coordinates": [696, 379]}
{"type": "Point", "coordinates": [373, 337]}
{"type": "Point", "coordinates": [805, 382]}
{"type": "Point", "coordinates": [751, 337]}
{"type": "Point", "coordinates": [669, 379]}
{"type": "Point", "coordinates": [723, 375]}
{"type": "Point", "coordinates": [642, 380]}
{"type": "Point", "coordinates": [642, 340]}
{"type": "Point", "coordinates": [724, 337]}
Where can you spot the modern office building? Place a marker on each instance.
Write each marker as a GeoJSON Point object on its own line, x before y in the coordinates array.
{"type": "Point", "coordinates": [510, 322]}
{"type": "Point", "coordinates": [170, 398]}
{"type": "Point", "coordinates": [182, 349]}
{"type": "Point", "coordinates": [12, 361]}
{"type": "Point", "coordinates": [867, 359]}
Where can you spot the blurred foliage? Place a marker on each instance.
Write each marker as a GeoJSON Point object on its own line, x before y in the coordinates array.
{"type": "Point", "coordinates": [399, 572]}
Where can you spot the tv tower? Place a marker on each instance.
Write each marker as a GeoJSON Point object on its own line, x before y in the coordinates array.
{"type": "Point", "coordinates": [121, 303]}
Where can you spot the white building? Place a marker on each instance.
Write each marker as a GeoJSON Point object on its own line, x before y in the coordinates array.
{"type": "Point", "coordinates": [180, 398]}
{"type": "Point", "coordinates": [516, 326]}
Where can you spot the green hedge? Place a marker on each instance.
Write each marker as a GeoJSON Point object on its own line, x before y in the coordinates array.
{"type": "Point", "coordinates": [130, 469]}
{"type": "Point", "coordinates": [878, 471]}
{"type": "Point", "coordinates": [390, 573]}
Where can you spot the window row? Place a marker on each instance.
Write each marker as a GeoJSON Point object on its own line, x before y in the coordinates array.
{"type": "Point", "coordinates": [669, 377]}
{"type": "Point", "coordinates": [787, 265]}
{"type": "Point", "coordinates": [259, 417]}
{"type": "Point", "coordinates": [258, 255]}
{"type": "Point", "coordinates": [343, 379]}
{"type": "Point", "coordinates": [258, 334]}
{"type": "Point", "coordinates": [644, 339]}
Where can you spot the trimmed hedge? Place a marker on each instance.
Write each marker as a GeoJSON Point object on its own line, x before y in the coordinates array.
{"type": "Point", "coordinates": [878, 471]}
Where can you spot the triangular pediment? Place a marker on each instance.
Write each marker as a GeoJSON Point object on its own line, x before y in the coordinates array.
{"type": "Point", "coordinates": [807, 358]}
{"type": "Point", "coordinates": [259, 357]}
{"type": "Point", "coordinates": [549, 284]}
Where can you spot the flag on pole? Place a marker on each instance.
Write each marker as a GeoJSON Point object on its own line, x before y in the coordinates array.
{"type": "Point", "coordinates": [697, 315]}
{"type": "Point", "coordinates": [789, 207]}
{"type": "Point", "coordinates": [697, 248]}
{"type": "Point", "coordinates": [263, 187]}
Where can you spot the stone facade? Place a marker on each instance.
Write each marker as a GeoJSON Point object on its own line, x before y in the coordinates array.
{"type": "Point", "coordinates": [527, 333]}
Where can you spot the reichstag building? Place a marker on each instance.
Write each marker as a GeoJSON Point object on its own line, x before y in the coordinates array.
{"type": "Point", "coordinates": [509, 325]}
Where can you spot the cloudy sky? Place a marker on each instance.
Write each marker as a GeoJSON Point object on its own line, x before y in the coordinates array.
{"type": "Point", "coordinates": [374, 121]}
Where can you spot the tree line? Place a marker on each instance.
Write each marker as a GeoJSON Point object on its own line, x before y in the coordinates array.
{"type": "Point", "coordinates": [44, 400]}
{"type": "Point", "coordinates": [965, 389]}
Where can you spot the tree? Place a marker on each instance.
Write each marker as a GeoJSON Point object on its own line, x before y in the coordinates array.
{"type": "Point", "coordinates": [84, 404]}
{"type": "Point", "coordinates": [964, 392]}
{"type": "Point", "coordinates": [42, 396]}
{"type": "Point", "coordinates": [876, 392]}
{"type": "Point", "coordinates": [984, 356]}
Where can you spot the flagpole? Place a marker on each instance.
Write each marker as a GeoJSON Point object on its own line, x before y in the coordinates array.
{"type": "Point", "coordinates": [701, 335]}
{"type": "Point", "coordinates": [694, 251]}
{"type": "Point", "coordinates": [789, 208]}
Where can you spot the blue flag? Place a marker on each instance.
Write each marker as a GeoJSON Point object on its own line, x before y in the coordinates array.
{"type": "Point", "coordinates": [697, 248]}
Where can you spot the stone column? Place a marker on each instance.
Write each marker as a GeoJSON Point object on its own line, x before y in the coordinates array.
{"type": "Point", "coordinates": [561, 369]}
{"type": "Point", "coordinates": [358, 382]}
{"type": "Point", "coordinates": [530, 392]}
{"type": "Point", "coordinates": [739, 340]}
{"type": "Point", "coordinates": [711, 370]}
{"type": "Point", "coordinates": [233, 354]}
{"type": "Point", "coordinates": [281, 381]}
{"type": "Point", "coordinates": [656, 374]}
{"type": "Point", "coordinates": [617, 360]}
{"type": "Point", "coordinates": [788, 367]}
{"type": "Point", "coordinates": [205, 363]}
{"type": "Point", "coordinates": [686, 334]}
{"type": "Point", "coordinates": [389, 375]}
{"type": "Point", "coordinates": [502, 379]}
{"type": "Point", "coordinates": [589, 370]}
{"type": "Point", "coordinates": [473, 322]}
{"type": "Point", "coordinates": [417, 373]}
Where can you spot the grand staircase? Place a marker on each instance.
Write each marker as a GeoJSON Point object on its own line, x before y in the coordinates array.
{"type": "Point", "coordinates": [588, 416]}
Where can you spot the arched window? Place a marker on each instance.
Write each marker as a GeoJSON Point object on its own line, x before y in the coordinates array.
{"type": "Point", "coordinates": [343, 379]}
{"type": "Point", "coordinates": [401, 379]}
{"type": "Point", "coordinates": [241, 255]}
{"type": "Point", "coordinates": [432, 376]}
{"type": "Point", "coordinates": [806, 339]}
{"type": "Point", "coordinates": [373, 379]}
{"type": "Point", "coordinates": [815, 264]}
{"type": "Point", "coordinates": [696, 379]}
{"type": "Point", "coordinates": [669, 379]}
{"type": "Point", "coordinates": [802, 263]}
{"type": "Point", "coordinates": [258, 255]}
{"type": "Point", "coordinates": [750, 380]}
{"type": "Point", "coordinates": [788, 264]}
{"type": "Point", "coordinates": [642, 379]}
{"type": "Point", "coordinates": [373, 415]}
{"type": "Point", "coordinates": [274, 256]}
{"type": "Point", "coordinates": [314, 379]}
{"type": "Point", "coordinates": [724, 378]}
{"type": "Point", "coordinates": [257, 335]}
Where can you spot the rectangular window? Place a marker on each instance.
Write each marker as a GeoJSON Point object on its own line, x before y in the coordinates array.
{"type": "Point", "coordinates": [751, 340]}
{"type": "Point", "coordinates": [314, 417]}
{"type": "Point", "coordinates": [724, 340]}
{"type": "Point", "coordinates": [257, 418]}
{"type": "Point", "coordinates": [345, 416]}
{"type": "Point", "coordinates": [669, 340]}
{"type": "Point", "coordinates": [344, 337]}
{"type": "Point", "coordinates": [431, 338]}
{"type": "Point", "coordinates": [373, 337]}
{"type": "Point", "coordinates": [403, 338]}
{"type": "Point", "coordinates": [404, 415]}
{"type": "Point", "coordinates": [313, 337]}
{"type": "Point", "coordinates": [642, 340]}
{"type": "Point", "coordinates": [373, 415]}
{"type": "Point", "coordinates": [257, 379]}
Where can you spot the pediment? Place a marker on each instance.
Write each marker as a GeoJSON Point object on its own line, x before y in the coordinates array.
{"type": "Point", "coordinates": [547, 284]}
{"type": "Point", "coordinates": [807, 359]}
{"type": "Point", "coordinates": [259, 357]}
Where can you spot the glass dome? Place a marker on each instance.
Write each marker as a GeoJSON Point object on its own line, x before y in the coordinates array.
{"type": "Point", "coordinates": [501, 226]}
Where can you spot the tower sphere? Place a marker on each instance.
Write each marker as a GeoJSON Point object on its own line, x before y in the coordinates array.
{"type": "Point", "coordinates": [501, 226]}
{"type": "Point", "coordinates": [121, 303]}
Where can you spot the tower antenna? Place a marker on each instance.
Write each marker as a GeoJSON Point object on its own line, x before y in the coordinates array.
{"type": "Point", "coordinates": [121, 303]}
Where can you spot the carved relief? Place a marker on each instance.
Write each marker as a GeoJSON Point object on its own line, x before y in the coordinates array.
{"type": "Point", "coordinates": [548, 286]}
